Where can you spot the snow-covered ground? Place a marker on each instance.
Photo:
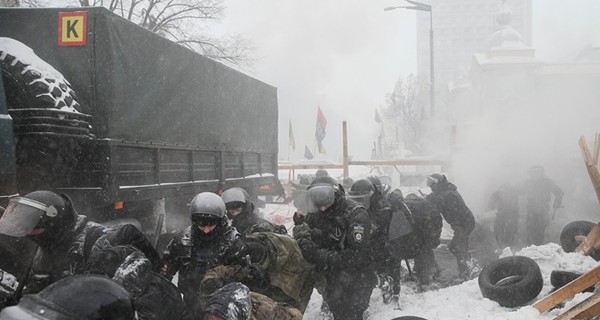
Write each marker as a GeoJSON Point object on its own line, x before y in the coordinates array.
{"type": "Point", "coordinates": [462, 301]}
{"type": "Point", "coordinates": [465, 301]}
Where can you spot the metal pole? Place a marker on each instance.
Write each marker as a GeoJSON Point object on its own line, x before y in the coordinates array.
{"type": "Point", "coordinates": [431, 65]}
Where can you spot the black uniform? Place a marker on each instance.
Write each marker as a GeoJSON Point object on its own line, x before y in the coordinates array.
{"type": "Point", "coordinates": [192, 254]}
{"type": "Point", "coordinates": [248, 221]}
{"type": "Point", "coordinates": [70, 253]}
{"type": "Point", "coordinates": [154, 297]}
{"type": "Point", "coordinates": [446, 199]}
{"type": "Point", "coordinates": [386, 266]}
{"type": "Point", "coordinates": [65, 239]}
{"type": "Point", "coordinates": [426, 223]}
{"type": "Point", "coordinates": [539, 190]}
{"type": "Point", "coordinates": [506, 202]}
{"type": "Point", "coordinates": [337, 243]}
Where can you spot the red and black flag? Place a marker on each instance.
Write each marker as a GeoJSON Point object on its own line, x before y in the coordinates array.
{"type": "Point", "coordinates": [320, 132]}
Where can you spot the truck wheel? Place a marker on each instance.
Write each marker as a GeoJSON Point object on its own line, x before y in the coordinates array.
{"type": "Point", "coordinates": [33, 84]}
{"type": "Point", "coordinates": [558, 278]}
{"type": "Point", "coordinates": [576, 228]}
{"type": "Point", "coordinates": [511, 281]}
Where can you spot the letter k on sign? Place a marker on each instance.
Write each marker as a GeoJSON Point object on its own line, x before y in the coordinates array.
{"type": "Point", "coordinates": [72, 28]}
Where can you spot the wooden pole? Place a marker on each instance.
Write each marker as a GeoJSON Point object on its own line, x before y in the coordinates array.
{"type": "Point", "coordinates": [345, 160]}
{"type": "Point", "coordinates": [591, 167]}
{"type": "Point", "coordinates": [587, 245]}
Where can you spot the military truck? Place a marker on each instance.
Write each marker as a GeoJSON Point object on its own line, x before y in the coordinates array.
{"type": "Point", "coordinates": [127, 123]}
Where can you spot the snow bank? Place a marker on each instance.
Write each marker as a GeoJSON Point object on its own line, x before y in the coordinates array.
{"type": "Point", "coordinates": [465, 301]}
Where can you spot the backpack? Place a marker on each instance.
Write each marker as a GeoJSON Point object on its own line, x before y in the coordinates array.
{"type": "Point", "coordinates": [414, 226]}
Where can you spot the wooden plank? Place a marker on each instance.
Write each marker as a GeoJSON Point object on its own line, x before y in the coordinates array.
{"type": "Point", "coordinates": [590, 166]}
{"type": "Point", "coordinates": [596, 149]}
{"type": "Point", "coordinates": [592, 239]}
{"type": "Point", "coordinates": [586, 309]}
{"type": "Point", "coordinates": [567, 291]}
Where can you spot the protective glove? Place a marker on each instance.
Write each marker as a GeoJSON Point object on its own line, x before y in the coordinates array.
{"type": "Point", "coordinates": [316, 235]}
{"type": "Point", "coordinates": [258, 277]}
{"type": "Point", "coordinates": [308, 247]}
{"type": "Point", "coordinates": [298, 218]}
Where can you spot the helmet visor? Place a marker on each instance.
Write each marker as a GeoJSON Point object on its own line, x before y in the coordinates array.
{"type": "Point", "coordinates": [320, 197]}
{"type": "Point", "coordinates": [22, 215]}
{"type": "Point", "coordinates": [16, 313]}
{"type": "Point", "coordinates": [431, 181]}
{"type": "Point", "coordinates": [362, 198]}
{"type": "Point", "coordinates": [205, 220]}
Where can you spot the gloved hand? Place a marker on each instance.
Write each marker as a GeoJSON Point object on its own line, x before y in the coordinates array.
{"type": "Point", "coordinates": [308, 247]}
{"type": "Point", "coordinates": [316, 235]}
{"type": "Point", "coordinates": [258, 276]}
{"type": "Point", "coordinates": [298, 218]}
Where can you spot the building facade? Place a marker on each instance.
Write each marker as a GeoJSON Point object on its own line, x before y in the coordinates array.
{"type": "Point", "coordinates": [462, 28]}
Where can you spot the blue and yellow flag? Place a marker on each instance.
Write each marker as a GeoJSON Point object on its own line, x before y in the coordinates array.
{"type": "Point", "coordinates": [292, 141]}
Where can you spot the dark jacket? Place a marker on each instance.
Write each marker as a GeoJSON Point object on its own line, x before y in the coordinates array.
{"type": "Point", "coordinates": [446, 199]}
{"type": "Point", "coordinates": [192, 255]}
{"type": "Point", "coordinates": [154, 297]}
{"type": "Point", "coordinates": [70, 254]}
{"type": "Point", "coordinates": [248, 221]}
{"type": "Point", "coordinates": [289, 275]}
{"type": "Point", "coordinates": [380, 213]}
{"type": "Point", "coordinates": [539, 193]}
{"type": "Point", "coordinates": [341, 237]}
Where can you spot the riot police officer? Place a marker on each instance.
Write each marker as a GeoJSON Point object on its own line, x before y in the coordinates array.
{"type": "Point", "coordinates": [445, 198]}
{"type": "Point", "coordinates": [209, 241]}
{"type": "Point", "coordinates": [65, 239]}
{"type": "Point", "coordinates": [335, 237]}
{"type": "Point", "coordinates": [242, 213]}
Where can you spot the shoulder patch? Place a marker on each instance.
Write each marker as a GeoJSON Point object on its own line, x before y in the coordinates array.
{"type": "Point", "coordinates": [358, 232]}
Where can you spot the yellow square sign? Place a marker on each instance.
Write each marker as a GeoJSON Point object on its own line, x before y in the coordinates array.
{"type": "Point", "coordinates": [72, 28]}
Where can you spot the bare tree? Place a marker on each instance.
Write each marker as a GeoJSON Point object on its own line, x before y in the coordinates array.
{"type": "Point", "coordinates": [9, 3]}
{"type": "Point", "coordinates": [406, 109]}
{"type": "Point", "coordinates": [184, 21]}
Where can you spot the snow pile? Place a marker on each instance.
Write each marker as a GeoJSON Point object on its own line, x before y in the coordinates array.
{"type": "Point", "coordinates": [465, 301]}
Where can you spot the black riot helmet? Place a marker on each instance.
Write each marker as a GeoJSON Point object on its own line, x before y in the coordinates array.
{"type": "Point", "coordinates": [234, 198]}
{"type": "Point", "coordinates": [319, 196]}
{"type": "Point", "coordinates": [321, 173]}
{"type": "Point", "coordinates": [207, 208]}
{"type": "Point", "coordinates": [80, 297]}
{"type": "Point", "coordinates": [361, 191]}
{"type": "Point", "coordinates": [436, 180]}
{"type": "Point", "coordinates": [38, 209]}
{"type": "Point", "coordinates": [377, 185]}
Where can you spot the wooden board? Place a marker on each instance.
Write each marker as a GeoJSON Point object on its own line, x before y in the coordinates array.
{"type": "Point", "coordinates": [591, 241]}
{"type": "Point", "coordinates": [567, 291]}
{"type": "Point", "coordinates": [586, 309]}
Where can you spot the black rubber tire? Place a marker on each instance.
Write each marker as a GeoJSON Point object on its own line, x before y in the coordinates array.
{"type": "Point", "coordinates": [576, 228]}
{"type": "Point", "coordinates": [511, 281]}
{"type": "Point", "coordinates": [558, 278]}
{"type": "Point", "coordinates": [27, 87]}
{"type": "Point", "coordinates": [409, 318]}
